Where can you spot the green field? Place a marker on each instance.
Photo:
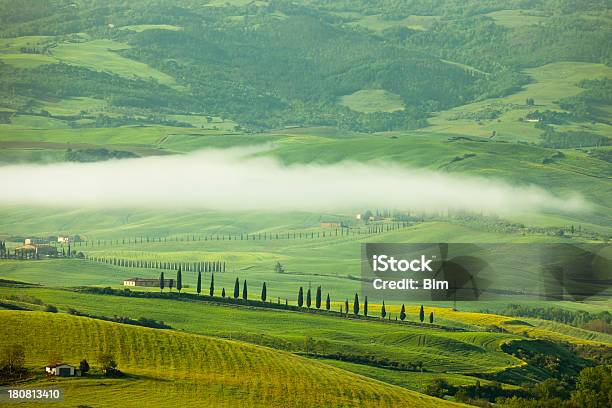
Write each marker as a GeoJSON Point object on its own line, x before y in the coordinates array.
{"type": "Point", "coordinates": [193, 363]}
{"type": "Point", "coordinates": [373, 100]}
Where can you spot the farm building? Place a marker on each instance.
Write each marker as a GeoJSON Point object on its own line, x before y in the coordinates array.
{"type": "Point", "coordinates": [35, 241]}
{"type": "Point", "coordinates": [62, 370]}
{"type": "Point", "coordinates": [148, 282]}
{"type": "Point", "coordinates": [333, 224]}
{"type": "Point", "coordinates": [35, 251]}
{"type": "Point", "coordinates": [63, 239]}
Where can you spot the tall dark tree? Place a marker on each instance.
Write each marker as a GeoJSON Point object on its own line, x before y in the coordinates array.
{"type": "Point", "coordinates": [422, 314]}
{"type": "Point", "coordinates": [223, 292]}
{"type": "Point", "coordinates": [318, 298]}
{"type": "Point", "coordinates": [236, 289]}
{"type": "Point", "coordinates": [403, 313]}
{"type": "Point", "coordinates": [245, 293]}
{"type": "Point", "coordinates": [383, 311]}
{"type": "Point", "coordinates": [170, 284]}
{"type": "Point", "coordinates": [199, 283]}
{"type": "Point", "coordinates": [327, 303]}
{"type": "Point", "coordinates": [179, 279]}
{"type": "Point", "coordinates": [431, 317]}
{"type": "Point", "coordinates": [346, 305]}
{"type": "Point", "coordinates": [300, 297]}
{"type": "Point", "coordinates": [365, 307]}
{"type": "Point", "coordinates": [162, 282]}
{"type": "Point", "coordinates": [308, 299]}
{"type": "Point", "coordinates": [264, 292]}
{"type": "Point", "coordinates": [211, 290]}
{"type": "Point", "coordinates": [356, 305]}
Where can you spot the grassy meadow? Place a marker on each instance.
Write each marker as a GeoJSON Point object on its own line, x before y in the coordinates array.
{"type": "Point", "coordinates": [190, 369]}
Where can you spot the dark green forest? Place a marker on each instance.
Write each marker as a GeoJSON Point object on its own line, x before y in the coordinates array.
{"type": "Point", "coordinates": [279, 63]}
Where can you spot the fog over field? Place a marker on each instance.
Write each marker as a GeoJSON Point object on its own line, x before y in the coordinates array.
{"type": "Point", "coordinates": [239, 179]}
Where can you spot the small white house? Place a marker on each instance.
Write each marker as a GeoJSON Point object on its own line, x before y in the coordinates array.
{"type": "Point", "coordinates": [62, 370]}
{"type": "Point", "coordinates": [63, 239]}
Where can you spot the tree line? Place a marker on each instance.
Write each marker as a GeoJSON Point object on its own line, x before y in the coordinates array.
{"type": "Point", "coordinates": [202, 266]}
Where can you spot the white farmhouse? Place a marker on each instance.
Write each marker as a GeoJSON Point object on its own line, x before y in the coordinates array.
{"type": "Point", "coordinates": [62, 370]}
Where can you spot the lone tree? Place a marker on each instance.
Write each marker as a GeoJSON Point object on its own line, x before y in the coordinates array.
{"type": "Point", "coordinates": [108, 364]}
{"type": "Point", "coordinates": [308, 299]}
{"type": "Point", "coordinates": [403, 313]}
{"type": "Point", "coordinates": [244, 290]}
{"type": "Point", "coordinates": [179, 279]}
{"type": "Point", "coordinates": [356, 305]}
{"type": "Point", "coordinates": [346, 307]}
{"type": "Point", "coordinates": [161, 282]}
{"type": "Point", "coordinates": [236, 289]}
{"type": "Point", "coordinates": [211, 290]}
{"type": "Point", "coordinates": [327, 303]}
{"type": "Point", "coordinates": [383, 311]}
{"type": "Point", "coordinates": [422, 314]}
{"type": "Point", "coordinates": [264, 292]}
{"type": "Point", "coordinates": [300, 297]}
{"type": "Point", "coordinates": [199, 284]}
{"type": "Point", "coordinates": [365, 307]}
{"type": "Point", "coordinates": [222, 292]}
{"type": "Point", "coordinates": [318, 298]}
{"type": "Point", "coordinates": [13, 359]}
{"type": "Point", "coordinates": [431, 317]}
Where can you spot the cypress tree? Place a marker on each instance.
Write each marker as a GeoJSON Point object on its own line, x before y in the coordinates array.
{"type": "Point", "coordinates": [211, 290]}
{"type": "Point", "coordinates": [308, 299]}
{"type": "Point", "coordinates": [365, 307]}
{"type": "Point", "coordinates": [346, 306]}
{"type": "Point", "coordinates": [301, 297]}
{"type": "Point", "coordinates": [236, 289]}
{"type": "Point", "coordinates": [383, 311]}
{"type": "Point", "coordinates": [223, 292]}
{"type": "Point", "coordinates": [264, 292]}
{"type": "Point", "coordinates": [421, 314]}
{"type": "Point", "coordinates": [161, 282]}
{"type": "Point", "coordinates": [171, 284]}
{"type": "Point", "coordinates": [431, 318]}
{"type": "Point", "coordinates": [199, 284]}
{"type": "Point", "coordinates": [179, 279]}
{"type": "Point", "coordinates": [403, 313]}
{"type": "Point", "coordinates": [318, 298]}
{"type": "Point", "coordinates": [356, 305]}
{"type": "Point", "coordinates": [244, 290]}
{"type": "Point", "coordinates": [327, 303]}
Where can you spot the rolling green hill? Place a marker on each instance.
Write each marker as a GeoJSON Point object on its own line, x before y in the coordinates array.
{"type": "Point", "coordinates": [187, 369]}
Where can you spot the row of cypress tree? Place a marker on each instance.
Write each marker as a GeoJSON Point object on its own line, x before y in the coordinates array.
{"type": "Point", "coordinates": [300, 298]}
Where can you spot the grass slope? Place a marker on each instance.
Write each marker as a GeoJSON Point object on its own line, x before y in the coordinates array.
{"type": "Point", "coordinates": [203, 371]}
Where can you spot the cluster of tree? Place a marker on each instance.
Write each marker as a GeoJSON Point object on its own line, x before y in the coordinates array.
{"type": "Point", "coordinates": [601, 321]}
{"type": "Point", "coordinates": [572, 138]}
{"type": "Point", "coordinates": [376, 361]}
{"type": "Point", "coordinates": [141, 321]}
{"type": "Point", "coordinates": [591, 388]}
{"type": "Point", "coordinates": [587, 104]}
{"type": "Point", "coordinates": [94, 155]}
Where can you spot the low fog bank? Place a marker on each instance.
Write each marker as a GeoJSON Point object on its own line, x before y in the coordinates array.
{"type": "Point", "coordinates": [235, 180]}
